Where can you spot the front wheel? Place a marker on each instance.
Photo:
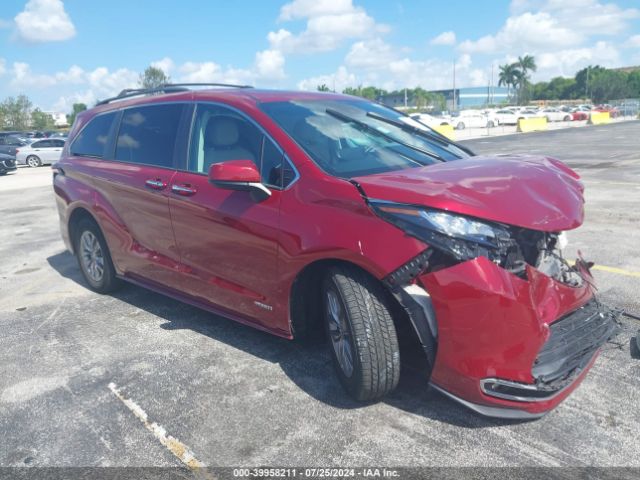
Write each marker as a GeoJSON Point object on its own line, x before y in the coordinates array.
{"type": "Point", "coordinates": [358, 322]}
{"type": "Point", "coordinates": [490, 124]}
{"type": "Point", "coordinates": [33, 161]}
{"type": "Point", "coordinates": [94, 258]}
{"type": "Point", "coordinates": [460, 126]}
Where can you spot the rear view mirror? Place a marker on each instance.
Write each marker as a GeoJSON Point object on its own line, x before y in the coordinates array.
{"type": "Point", "coordinates": [239, 175]}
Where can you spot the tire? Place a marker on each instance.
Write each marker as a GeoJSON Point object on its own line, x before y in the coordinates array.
{"type": "Point", "coordinates": [94, 258]}
{"type": "Point", "coordinates": [33, 161]}
{"type": "Point", "coordinates": [567, 118]}
{"type": "Point", "coordinates": [548, 119]}
{"type": "Point", "coordinates": [490, 124]}
{"type": "Point", "coordinates": [460, 126]}
{"type": "Point", "coordinates": [357, 319]}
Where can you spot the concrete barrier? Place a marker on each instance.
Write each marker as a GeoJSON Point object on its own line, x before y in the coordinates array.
{"type": "Point", "coordinates": [446, 130]}
{"type": "Point", "coordinates": [532, 124]}
{"type": "Point", "coordinates": [598, 118]}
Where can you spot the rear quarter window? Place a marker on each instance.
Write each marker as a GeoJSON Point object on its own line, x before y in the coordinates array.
{"type": "Point", "coordinates": [93, 139]}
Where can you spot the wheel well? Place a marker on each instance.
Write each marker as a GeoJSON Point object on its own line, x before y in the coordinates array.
{"type": "Point", "coordinates": [306, 311]}
{"type": "Point", "coordinates": [76, 217]}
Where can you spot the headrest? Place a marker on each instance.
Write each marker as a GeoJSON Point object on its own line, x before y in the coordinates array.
{"type": "Point", "coordinates": [222, 132]}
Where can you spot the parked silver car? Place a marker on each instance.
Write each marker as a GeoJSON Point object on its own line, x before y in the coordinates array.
{"type": "Point", "coordinates": [40, 152]}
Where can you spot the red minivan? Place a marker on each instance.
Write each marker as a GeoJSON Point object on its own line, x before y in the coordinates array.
{"type": "Point", "coordinates": [299, 211]}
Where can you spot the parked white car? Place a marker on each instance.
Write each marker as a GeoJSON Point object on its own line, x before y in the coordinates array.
{"type": "Point", "coordinates": [555, 115]}
{"type": "Point", "coordinates": [471, 118]}
{"type": "Point", "coordinates": [507, 117]}
{"type": "Point", "coordinates": [40, 152]}
{"type": "Point", "coordinates": [429, 120]}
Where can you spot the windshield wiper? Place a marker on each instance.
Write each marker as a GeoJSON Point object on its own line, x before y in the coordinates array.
{"type": "Point", "coordinates": [360, 123]}
{"type": "Point", "coordinates": [435, 136]}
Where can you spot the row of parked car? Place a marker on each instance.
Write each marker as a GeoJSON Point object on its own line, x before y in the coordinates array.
{"type": "Point", "coordinates": [490, 118]}
{"type": "Point", "coordinates": [16, 148]}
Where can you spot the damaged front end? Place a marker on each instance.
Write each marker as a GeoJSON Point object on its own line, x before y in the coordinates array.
{"type": "Point", "coordinates": [509, 327]}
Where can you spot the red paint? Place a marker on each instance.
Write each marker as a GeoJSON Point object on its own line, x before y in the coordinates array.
{"type": "Point", "coordinates": [234, 171]}
{"type": "Point", "coordinates": [220, 249]}
{"type": "Point", "coordinates": [531, 192]}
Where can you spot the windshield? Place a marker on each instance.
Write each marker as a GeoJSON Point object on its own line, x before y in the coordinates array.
{"type": "Point", "coordinates": [349, 138]}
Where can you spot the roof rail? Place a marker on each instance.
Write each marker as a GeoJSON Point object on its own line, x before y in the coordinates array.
{"type": "Point", "coordinates": [165, 88]}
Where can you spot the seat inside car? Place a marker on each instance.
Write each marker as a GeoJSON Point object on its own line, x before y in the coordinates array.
{"type": "Point", "coordinates": [223, 141]}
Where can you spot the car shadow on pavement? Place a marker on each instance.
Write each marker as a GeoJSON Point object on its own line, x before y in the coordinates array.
{"type": "Point", "coordinates": [308, 365]}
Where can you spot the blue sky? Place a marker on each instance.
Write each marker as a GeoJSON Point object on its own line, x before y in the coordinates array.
{"type": "Point", "coordinates": [59, 52]}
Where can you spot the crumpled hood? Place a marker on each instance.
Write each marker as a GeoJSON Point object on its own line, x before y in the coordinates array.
{"type": "Point", "coordinates": [538, 193]}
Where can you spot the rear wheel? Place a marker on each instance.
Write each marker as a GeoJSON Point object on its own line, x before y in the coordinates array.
{"type": "Point", "coordinates": [358, 322]}
{"type": "Point", "coordinates": [460, 126]}
{"type": "Point", "coordinates": [94, 258]}
{"type": "Point", "coordinates": [490, 124]}
{"type": "Point", "coordinates": [567, 118]}
{"type": "Point", "coordinates": [33, 161]}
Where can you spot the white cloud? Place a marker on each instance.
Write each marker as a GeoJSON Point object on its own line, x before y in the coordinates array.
{"type": "Point", "coordinates": [3, 67]}
{"type": "Point", "coordinates": [632, 42]}
{"type": "Point", "coordinates": [370, 54]}
{"type": "Point", "coordinates": [269, 65]}
{"type": "Point", "coordinates": [44, 21]}
{"type": "Point", "coordinates": [165, 64]}
{"type": "Point", "coordinates": [340, 80]}
{"type": "Point", "coordinates": [584, 16]}
{"type": "Point", "coordinates": [329, 24]}
{"type": "Point", "coordinates": [313, 8]}
{"type": "Point", "coordinates": [567, 62]}
{"type": "Point", "coordinates": [537, 26]}
{"type": "Point", "coordinates": [526, 32]}
{"type": "Point", "coordinates": [445, 38]}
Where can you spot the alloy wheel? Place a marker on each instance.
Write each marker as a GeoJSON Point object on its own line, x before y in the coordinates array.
{"type": "Point", "coordinates": [339, 332]}
{"type": "Point", "coordinates": [92, 256]}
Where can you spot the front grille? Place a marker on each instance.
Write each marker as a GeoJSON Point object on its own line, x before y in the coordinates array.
{"type": "Point", "coordinates": [574, 341]}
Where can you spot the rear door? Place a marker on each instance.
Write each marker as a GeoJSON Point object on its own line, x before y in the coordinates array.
{"type": "Point", "coordinates": [228, 241]}
{"type": "Point", "coordinates": [133, 184]}
{"type": "Point", "coordinates": [56, 149]}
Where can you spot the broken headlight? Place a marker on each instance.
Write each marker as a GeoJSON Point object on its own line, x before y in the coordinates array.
{"type": "Point", "coordinates": [463, 238]}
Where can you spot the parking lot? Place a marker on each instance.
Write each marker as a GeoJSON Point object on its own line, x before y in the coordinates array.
{"type": "Point", "coordinates": [80, 370]}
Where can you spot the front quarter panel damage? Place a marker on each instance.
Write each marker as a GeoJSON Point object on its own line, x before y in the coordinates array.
{"type": "Point", "coordinates": [492, 323]}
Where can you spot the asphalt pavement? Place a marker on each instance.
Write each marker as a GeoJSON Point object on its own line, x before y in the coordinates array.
{"type": "Point", "coordinates": [84, 377]}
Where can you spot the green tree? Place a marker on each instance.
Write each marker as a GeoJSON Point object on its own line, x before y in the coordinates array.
{"type": "Point", "coordinates": [41, 120]}
{"type": "Point", "coordinates": [509, 77]}
{"type": "Point", "coordinates": [524, 65]}
{"type": "Point", "coordinates": [633, 83]}
{"type": "Point", "coordinates": [607, 85]}
{"type": "Point", "coordinates": [153, 77]}
{"type": "Point", "coordinates": [17, 112]}
{"type": "Point", "coordinates": [323, 88]}
{"type": "Point", "coordinates": [583, 78]}
{"type": "Point", "coordinates": [77, 108]}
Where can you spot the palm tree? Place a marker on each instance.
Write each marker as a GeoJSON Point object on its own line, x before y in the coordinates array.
{"type": "Point", "coordinates": [525, 64]}
{"type": "Point", "coordinates": [509, 75]}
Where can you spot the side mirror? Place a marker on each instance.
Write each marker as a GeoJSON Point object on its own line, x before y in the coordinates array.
{"type": "Point", "coordinates": [239, 175]}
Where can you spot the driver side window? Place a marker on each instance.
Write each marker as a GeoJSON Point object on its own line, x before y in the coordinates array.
{"type": "Point", "coordinates": [220, 134]}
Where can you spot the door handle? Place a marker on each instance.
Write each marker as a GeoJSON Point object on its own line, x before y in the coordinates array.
{"type": "Point", "coordinates": [156, 184]}
{"type": "Point", "coordinates": [184, 190]}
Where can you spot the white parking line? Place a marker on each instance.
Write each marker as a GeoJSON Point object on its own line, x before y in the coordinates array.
{"type": "Point", "coordinates": [175, 446]}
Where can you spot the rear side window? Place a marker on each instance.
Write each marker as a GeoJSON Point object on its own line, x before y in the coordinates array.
{"type": "Point", "coordinates": [148, 134]}
{"type": "Point", "coordinates": [93, 139]}
{"type": "Point", "coordinates": [41, 144]}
